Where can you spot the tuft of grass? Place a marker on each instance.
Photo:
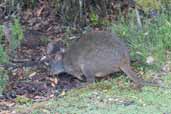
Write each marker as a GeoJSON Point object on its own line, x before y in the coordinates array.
{"type": "Point", "coordinates": [23, 100]}
{"type": "Point", "coordinates": [14, 43]}
{"type": "Point", "coordinates": [3, 54]}
{"type": "Point", "coordinates": [17, 35]}
{"type": "Point", "coordinates": [3, 79]}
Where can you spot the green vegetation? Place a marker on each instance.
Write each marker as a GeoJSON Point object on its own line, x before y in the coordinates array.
{"type": "Point", "coordinates": [153, 40]}
{"type": "Point", "coordinates": [95, 20]}
{"type": "Point", "coordinates": [3, 55]}
{"type": "Point", "coordinates": [147, 5]}
{"type": "Point", "coordinates": [17, 35]}
{"type": "Point", "coordinates": [3, 79]}
{"type": "Point", "coordinates": [23, 100]}
{"type": "Point", "coordinates": [112, 98]}
{"type": "Point", "coordinates": [14, 6]}
{"type": "Point", "coordinates": [15, 40]}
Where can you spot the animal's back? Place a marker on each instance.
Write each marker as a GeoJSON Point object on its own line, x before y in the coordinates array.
{"type": "Point", "coordinates": [99, 51]}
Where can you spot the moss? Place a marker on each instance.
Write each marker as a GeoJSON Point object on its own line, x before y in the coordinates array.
{"type": "Point", "coordinates": [23, 100]}
{"type": "Point", "coordinates": [147, 5]}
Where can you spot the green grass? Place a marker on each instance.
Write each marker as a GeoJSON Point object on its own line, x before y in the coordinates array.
{"type": "Point", "coordinates": [153, 40]}
{"type": "Point", "coordinates": [107, 97]}
{"type": "Point", "coordinates": [3, 79]}
{"type": "Point", "coordinates": [14, 43]}
{"type": "Point", "coordinates": [3, 54]}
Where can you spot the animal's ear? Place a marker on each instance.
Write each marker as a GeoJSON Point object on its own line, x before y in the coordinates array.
{"type": "Point", "coordinates": [55, 47]}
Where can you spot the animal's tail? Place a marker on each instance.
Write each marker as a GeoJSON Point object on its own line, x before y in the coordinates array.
{"type": "Point", "coordinates": [132, 75]}
{"type": "Point", "coordinates": [137, 80]}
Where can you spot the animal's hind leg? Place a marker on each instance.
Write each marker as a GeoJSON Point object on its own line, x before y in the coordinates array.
{"type": "Point", "coordinates": [90, 77]}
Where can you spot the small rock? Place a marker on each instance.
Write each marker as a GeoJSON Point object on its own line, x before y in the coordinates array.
{"type": "Point", "coordinates": [149, 60]}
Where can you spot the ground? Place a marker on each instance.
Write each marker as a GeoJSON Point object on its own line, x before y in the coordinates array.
{"type": "Point", "coordinates": [106, 97]}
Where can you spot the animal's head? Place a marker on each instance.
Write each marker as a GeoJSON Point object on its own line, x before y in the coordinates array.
{"type": "Point", "coordinates": [55, 47]}
{"type": "Point", "coordinates": [56, 50]}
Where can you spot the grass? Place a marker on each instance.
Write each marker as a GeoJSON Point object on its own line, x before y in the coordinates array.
{"type": "Point", "coordinates": [16, 37]}
{"type": "Point", "coordinates": [153, 40]}
{"type": "Point", "coordinates": [107, 98]}
{"type": "Point", "coordinates": [3, 79]}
